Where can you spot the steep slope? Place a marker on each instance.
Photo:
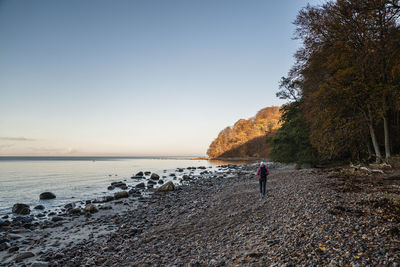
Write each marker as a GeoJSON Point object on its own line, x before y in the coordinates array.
{"type": "Point", "coordinates": [247, 138]}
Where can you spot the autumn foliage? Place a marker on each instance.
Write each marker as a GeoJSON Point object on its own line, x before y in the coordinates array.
{"type": "Point", "coordinates": [345, 83]}
{"type": "Point", "coordinates": [247, 138]}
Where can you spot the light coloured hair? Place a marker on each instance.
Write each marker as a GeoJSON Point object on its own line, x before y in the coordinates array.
{"type": "Point", "coordinates": [262, 164]}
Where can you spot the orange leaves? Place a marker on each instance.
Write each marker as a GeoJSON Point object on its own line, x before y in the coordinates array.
{"type": "Point", "coordinates": [247, 138]}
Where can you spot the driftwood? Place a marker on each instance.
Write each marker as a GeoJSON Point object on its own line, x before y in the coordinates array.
{"type": "Point", "coordinates": [369, 170]}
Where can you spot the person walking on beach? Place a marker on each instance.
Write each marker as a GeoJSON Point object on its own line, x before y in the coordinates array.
{"type": "Point", "coordinates": [262, 173]}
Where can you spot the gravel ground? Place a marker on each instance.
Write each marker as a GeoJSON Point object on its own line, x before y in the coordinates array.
{"type": "Point", "coordinates": [308, 217]}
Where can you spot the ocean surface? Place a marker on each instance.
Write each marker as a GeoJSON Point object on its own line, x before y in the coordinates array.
{"type": "Point", "coordinates": [73, 179]}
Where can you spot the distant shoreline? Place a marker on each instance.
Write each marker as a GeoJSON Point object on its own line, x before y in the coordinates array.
{"type": "Point", "coordinates": [90, 158]}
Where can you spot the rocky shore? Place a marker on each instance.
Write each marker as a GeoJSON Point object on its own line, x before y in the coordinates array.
{"type": "Point", "coordinates": [309, 217]}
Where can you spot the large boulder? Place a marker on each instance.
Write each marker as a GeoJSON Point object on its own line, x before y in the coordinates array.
{"type": "Point", "coordinates": [166, 187]}
{"type": "Point", "coordinates": [47, 195]}
{"type": "Point", "coordinates": [121, 194]}
{"type": "Point", "coordinates": [20, 208]}
{"type": "Point", "coordinates": [154, 176]}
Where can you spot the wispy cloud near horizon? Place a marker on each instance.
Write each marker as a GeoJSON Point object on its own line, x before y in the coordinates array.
{"type": "Point", "coordinates": [3, 138]}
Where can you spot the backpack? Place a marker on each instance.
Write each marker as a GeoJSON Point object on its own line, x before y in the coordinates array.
{"type": "Point", "coordinates": [263, 172]}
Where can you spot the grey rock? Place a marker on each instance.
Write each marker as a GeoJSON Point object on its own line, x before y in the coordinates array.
{"type": "Point", "coordinates": [154, 176]}
{"type": "Point", "coordinates": [122, 194]}
{"type": "Point", "coordinates": [108, 198]}
{"type": "Point", "coordinates": [23, 255]}
{"type": "Point", "coordinates": [4, 246]}
{"type": "Point", "coordinates": [90, 208]}
{"type": "Point", "coordinates": [20, 208]}
{"type": "Point", "coordinates": [39, 207]}
{"type": "Point", "coordinates": [57, 219]}
{"type": "Point", "coordinates": [14, 236]}
{"type": "Point", "coordinates": [141, 185]}
{"type": "Point", "coordinates": [13, 249]}
{"type": "Point", "coordinates": [166, 187]}
{"type": "Point", "coordinates": [39, 264]}
{"type": "Point", "coordinates": [70, 206]}
{"type": "Point", "coordinates": [47, 195]}
{"type": "Point", "coordinates": [134, 192]}
{"type": "Point", "coordinates": [4, 223]}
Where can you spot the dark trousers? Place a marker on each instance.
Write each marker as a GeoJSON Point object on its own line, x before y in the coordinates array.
{"type": "Point", "coordinates": [263, 183]}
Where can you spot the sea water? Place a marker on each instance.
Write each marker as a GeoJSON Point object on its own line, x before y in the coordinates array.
{"type": "Point", "coordinates": [73, 179]}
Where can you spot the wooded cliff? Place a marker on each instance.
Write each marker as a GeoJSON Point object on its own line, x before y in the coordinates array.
{"type": "Point", "coordinates": [246, 138]}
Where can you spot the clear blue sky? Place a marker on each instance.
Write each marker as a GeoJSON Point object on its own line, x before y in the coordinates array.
{"type": "Point", "coordinates": [137, 77]}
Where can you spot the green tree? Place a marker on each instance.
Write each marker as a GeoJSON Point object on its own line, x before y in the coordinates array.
{"type": "Point", "coordinates": [291, 141]}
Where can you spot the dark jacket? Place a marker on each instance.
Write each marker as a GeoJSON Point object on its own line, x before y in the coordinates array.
{"type": "Point", "coordinates": [259, 173]}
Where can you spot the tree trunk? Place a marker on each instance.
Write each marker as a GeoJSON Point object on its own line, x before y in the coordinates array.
{"type": "Point", "coordinates": [375, 143]}
{"type": "Point", "coordinates": [387, 137]}
{"type": "Point", "coordinates": [369, 150]}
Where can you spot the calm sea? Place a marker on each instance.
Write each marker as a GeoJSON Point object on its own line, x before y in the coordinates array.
{"type": "Point", "coordinates": [22, 179]}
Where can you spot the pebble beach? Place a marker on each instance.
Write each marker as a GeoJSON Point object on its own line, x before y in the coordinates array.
{"type": "Point", "coordinates": [320, 217]}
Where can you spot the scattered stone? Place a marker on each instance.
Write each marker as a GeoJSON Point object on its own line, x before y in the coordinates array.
{"type": "Point", "coordinates": [140, 185]}
{"type": "Point", "coordinates": [135, 192]}
{"type": "Point", "coordinates": [20, 208]}
{"type": "Point", "coordinates": [69, 206]}
{"type": "Point", "coordinates": [166, 187]}
{"type": "Point", "coordinates": [39, 264]}
{"type": "Point", "coordinates": [90, 208]}
{"type": "Point", "coordinates": [147, 173]}
{"type": "Point", "coordinates": [139, 174]}
{"type": "Point", "coordinates": [39, 207]}
{"type": "Point", "coordinates": [4, 223]}
{"type": "Point", "coordinates": [23, 255]}
{"type": "Point", "coordinates": [108, 198]}
{"type": "Point", "coordinates": [75, 211]}
{"type": "Point", "coordinates": [13, 249]}
{"type": "Point", "coordinates": [122, 194]}
{"type": "Point", "coordinates": [14, 236]}
{"type": "Point", "coordinates": [57, 219]}
{"type": "Point", "coordinates": [4, 246]}
{"type": "Point", "coordinates": [47, 195]}
{"type": "Point", "coordinates": [154, 176]}
{"type": "Point", "coordinates": [160, 181]}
